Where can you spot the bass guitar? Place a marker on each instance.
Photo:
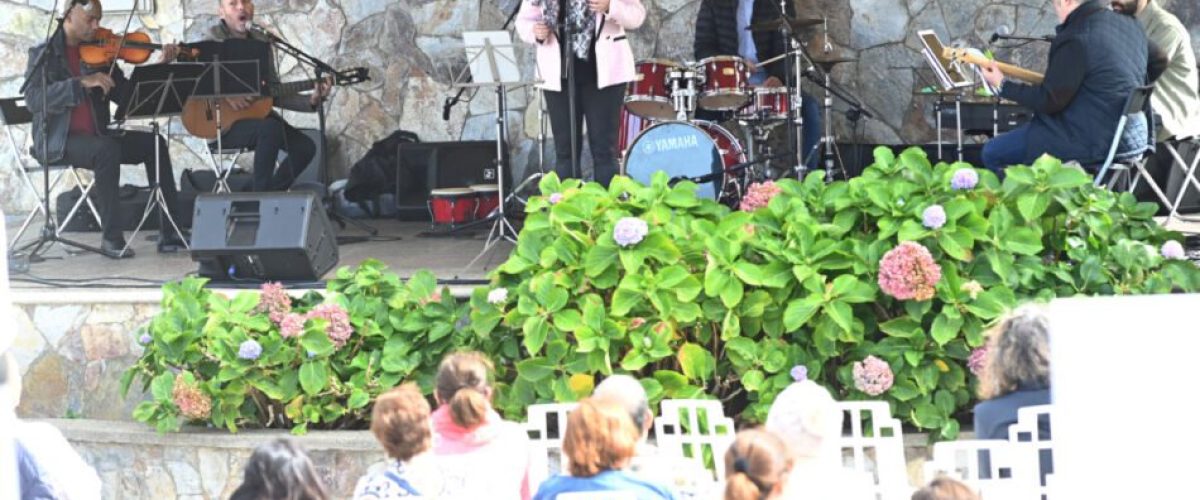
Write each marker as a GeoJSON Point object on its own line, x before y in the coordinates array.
{"type": "Point", "coordinates": [200, 115]}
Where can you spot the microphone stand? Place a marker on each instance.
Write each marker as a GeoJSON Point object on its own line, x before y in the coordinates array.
{"type": "Point", "coordinates": [568, 65]}
{"type": "Point", "coordinates": [322, 69]}
{"type": "Point", "coordinates": [50, 234]}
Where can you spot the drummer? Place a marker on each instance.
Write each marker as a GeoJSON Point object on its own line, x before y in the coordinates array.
{"type": "Point", "coordinates": [721, 30]}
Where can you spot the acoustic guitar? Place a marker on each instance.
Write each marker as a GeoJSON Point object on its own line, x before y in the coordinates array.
{"type": "Point", "coordinates": [1009, 70]}
{"type": "Point", "coordinates": [200, 115]}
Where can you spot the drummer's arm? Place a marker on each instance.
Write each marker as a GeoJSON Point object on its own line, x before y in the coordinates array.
{"type": "Point", "coordinates": [628, 13]}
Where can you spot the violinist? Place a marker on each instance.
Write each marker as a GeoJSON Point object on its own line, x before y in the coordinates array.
{"type": "Point", "coordinates": [75, 118]}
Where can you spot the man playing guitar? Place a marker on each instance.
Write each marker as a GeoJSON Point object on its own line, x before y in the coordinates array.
{"type": "Point", "coordinates": [266, 136]}
{"type": "Point", "coordinates": [76, 116]}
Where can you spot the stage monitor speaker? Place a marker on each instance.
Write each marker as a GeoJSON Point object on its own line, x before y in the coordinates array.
{"type": "Point", "coordinates": [263, 236]}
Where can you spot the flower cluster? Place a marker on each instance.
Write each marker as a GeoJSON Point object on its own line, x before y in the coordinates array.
{"type": "Point", "coordinates": [145, 339]}
{"type": "Point", "coordinates": [338, 322]}
{"type": "Point", "coordinates": [799, 373]}
{"type": "Point", "coordinates": [964, 178]}
{"type": "Point", "coordinates": [872, 376]}
{"type": "Point", "coordinates": [909, 272]}
{"type": "Point", "coordinates": [555, 198]}
{"type": "Point", "coordinates": [1172, 250]}
{"type": "Point", "coordinates": [292, 325]}
{"type": "Point", "coordinates": [274, 301]}
{"type": "Point", "coordinates": [497, 296]}
{"type": "Point", "coordinates": [977, 360]}
{"type": "Point", "coordinates": [630, 231]}
{"type": "Point", "coordinates": [758, 195]}
{"type": "Point", "coordinates": [934, 217]}
{"type": "Point", "coordinates": [193, 403]}
{"type": "Point", "coordinates": [250, 349]}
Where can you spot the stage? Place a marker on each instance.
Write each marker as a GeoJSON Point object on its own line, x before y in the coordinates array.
{"type": "Point", "coordinates": [405, 247]}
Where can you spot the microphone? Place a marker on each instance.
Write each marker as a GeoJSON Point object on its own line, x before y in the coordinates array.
{"type": "Point", "coordinates": [253, 26]}
{"type": "Point", "coordinates": [1001, 32]}
{"type": "Point", "coordinates": [446, 108]}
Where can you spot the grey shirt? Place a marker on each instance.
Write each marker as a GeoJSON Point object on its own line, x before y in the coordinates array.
{"type": "Point", "coordinates": [1176, 95]}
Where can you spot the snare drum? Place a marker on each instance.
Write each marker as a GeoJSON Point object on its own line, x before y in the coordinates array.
{"type": "Point", "coordinates": [649, 94]}
{"type": "Point", "coordinates": [687, 149]}
{"type": "Point", "coordinates": [725, 86]}
{"type": "Point", "coordinates": [488, 196]}
{"type": "Point", "coordinates": [770, 104]}
{"type": "Point", "coordinates": [452, 206]}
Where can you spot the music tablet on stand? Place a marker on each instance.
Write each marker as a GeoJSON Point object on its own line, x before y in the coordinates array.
{"type": "Point", "coordinates": [948, 74]}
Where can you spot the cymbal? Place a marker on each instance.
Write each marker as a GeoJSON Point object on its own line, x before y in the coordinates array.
{"type": "Point", "coordinates": [828, 63]}
{"type": "Point", "coordinates": [797, 23]}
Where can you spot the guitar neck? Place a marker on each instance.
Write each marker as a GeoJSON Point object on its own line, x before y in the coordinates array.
{"type": "Point", "coordinates": [292, 88]}
{"type": "Point", "coordinates": [1008, 69]}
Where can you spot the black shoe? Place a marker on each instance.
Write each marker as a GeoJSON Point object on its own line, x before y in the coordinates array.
{"type": "Point", "coordinates": [170, 242]}
{"type": "Point", "coordinates": [111, 248]}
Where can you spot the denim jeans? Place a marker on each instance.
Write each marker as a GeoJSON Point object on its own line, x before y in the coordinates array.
{"type": "Point", "coordinates": [1009, 148]}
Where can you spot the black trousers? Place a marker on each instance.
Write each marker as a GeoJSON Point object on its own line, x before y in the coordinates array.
{"type": "Point", "coordinates": [602, 110]}
{"type": "Point", "coordinates": [104, 155]}
{"type": "Point", "coordinates": [267, 137]}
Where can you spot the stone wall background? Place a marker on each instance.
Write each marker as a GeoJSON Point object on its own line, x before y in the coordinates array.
{"type": "Point", "coordinates": [413, 48]}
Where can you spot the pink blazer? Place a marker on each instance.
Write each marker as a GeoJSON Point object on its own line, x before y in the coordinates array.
{"type": "Point", "coordinates": [614, 57]}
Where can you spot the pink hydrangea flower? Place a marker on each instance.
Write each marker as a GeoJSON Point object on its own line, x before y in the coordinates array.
{"type": "Point", "coordinates": [292, 325]}
{"type": "Point", "coordinates": [977, 360]}
{"type": "Point", "coordinates": [1173, 250]}
{"type": "Point", "coordinates": [872, 376]}
{"type": "Point", "coordinates": [337, 325]}
{"type": "Point", "coordinates": [758, 195]}
{"type": "Point", "coordinates": [192, 402]}
{"type": "Point", "coordinates": [555, 198]}
{"type": "Point", "coordinates": [909, 272]}
{"type": "Point", "coordinates": [274, 301]}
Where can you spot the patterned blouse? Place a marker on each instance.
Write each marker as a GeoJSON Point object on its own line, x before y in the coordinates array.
{"type": "Point", "coordinates": [393, 481]}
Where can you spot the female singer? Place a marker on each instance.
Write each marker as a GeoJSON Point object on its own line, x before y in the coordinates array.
{"type": "Point", "coordinates": [602, 62]}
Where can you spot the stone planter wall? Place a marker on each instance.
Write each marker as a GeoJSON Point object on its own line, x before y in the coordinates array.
{"type": "Point", "coordinates": [412, 48]}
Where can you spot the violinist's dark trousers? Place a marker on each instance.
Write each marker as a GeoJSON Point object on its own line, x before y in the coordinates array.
{"type": "Point", "coordinates": [104, 155]}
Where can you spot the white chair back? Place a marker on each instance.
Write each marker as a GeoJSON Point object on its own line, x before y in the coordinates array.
{"type": "Point", "coordinates": [1010, 472]}
{"type": "Point", "coordinates": [1028, 431]}
{"type": "Point", "coordinates": [695, 429]}
{"type": "Point", "coordinates": [875, 446]}
{"type": "Point", "coordinates": [546, 425]}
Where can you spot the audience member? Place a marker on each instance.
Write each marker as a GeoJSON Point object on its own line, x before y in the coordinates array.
{"type": "Point", "coordinates": [599, 444]}
{"type": "Point", "coordinates": [944, 488]}
{"type": "Point", "coordinates": [756, 466]}
{"type": "Point", "coordinates": [680, 474]}
{"type": "Point", "coordinates": [1016, 372]}
{"type": "Point", "coordinates": [280, 470]}
{"type": "Point", "coordinates": [48, 467]}
{"type": "Point", "coordinates": [400, 422]}
{"type": "Point", "coordinates": [480, 454]}
{"type": "Point", "coordinates": [807, 418]}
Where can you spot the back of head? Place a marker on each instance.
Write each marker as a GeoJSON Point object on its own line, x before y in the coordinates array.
{"type": "Point", "coordinates": [755, 465]}
{"type": "Point", "coordinates": [462, 383]}
{"type": "Point", "coordinates": [944, 488]}
{"type": "Point", "coordinates": [600, 436]}
{"type": "Point", "coordinates": [1018, 354]}
{"type": "Point", "coordinates": [806, 416]}
{"type": "Point", "coordinates": [630, 393]}
{"type": "Point", "coordinates": [280, 470]}
{"type": "Point", "coordinates": [400, 421]}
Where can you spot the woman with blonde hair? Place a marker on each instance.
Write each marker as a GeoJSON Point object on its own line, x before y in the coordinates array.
{"type": "Point", "coordinates": [598, 445]}
{"type": "Point", "coordinates": [945, 488]}
{"type": "Point", "coordinates": [480, 454]}
{"type": "Point", "coordinates": [400, 422]}
{"type": "Point", "coordinates": [756, 466]}
{"type": "Point", "coordinates": [1016, 372]}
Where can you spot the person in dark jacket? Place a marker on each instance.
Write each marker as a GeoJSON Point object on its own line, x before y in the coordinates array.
{"type": "Point", "coordinates": [1096, 60]}
{"type": "Point", "coordinates": [75, 116]}
{"type": "Point", "coordinates": [267, 136]}
{"type": "Point", "coordinates": [721, 31]}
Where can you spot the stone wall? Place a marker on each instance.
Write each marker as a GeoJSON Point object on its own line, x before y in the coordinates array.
{"type": "Point", "coordinates": [412, 48]}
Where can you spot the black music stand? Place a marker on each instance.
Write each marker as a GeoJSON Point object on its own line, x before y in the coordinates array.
{"type": "Point", "coordinates": [232, 68]}
{"type": "Point", "coordinates": [159, 90]}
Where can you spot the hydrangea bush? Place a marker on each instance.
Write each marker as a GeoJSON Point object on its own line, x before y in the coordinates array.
{"type": "Point", "coordinates": [273, 360]}
{"type": "Point", "coordinates": [880, 287]}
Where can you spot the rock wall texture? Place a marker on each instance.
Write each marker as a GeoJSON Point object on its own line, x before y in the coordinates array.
{"type": "Point", "coordinates": [413, 47]}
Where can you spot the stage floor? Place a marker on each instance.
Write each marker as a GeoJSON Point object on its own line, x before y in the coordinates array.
{"type": "Point", "coordinates": [446, 256]}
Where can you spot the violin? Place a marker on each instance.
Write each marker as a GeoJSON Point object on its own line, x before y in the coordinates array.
{"type": "Point", "coordinates": [132, 47]}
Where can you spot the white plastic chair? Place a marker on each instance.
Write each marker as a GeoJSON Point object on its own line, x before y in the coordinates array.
{"type": "Point", "coordinates": [878, 450]}
{"type": "Point", "coordinates": [546, 425]}
{"type": "Point", "coordinates": [1011, 472]}
{"type": "Point", "coordinates": [689, 428]}
{"type": "Point", "coordinates": [1027, 432]}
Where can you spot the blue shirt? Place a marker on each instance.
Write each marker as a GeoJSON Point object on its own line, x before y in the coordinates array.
{"type": "Point", "coordinates": [746, 48]}
{"type": "Point", "coordinates": [609, 480]}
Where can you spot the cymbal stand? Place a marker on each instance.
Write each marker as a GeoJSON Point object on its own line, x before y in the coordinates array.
{"type": "Point", "coordinates": [831, 154]}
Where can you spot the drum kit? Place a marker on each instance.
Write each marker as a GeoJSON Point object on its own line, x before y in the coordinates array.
{"type": "Point", "coordinates": [659, 131]}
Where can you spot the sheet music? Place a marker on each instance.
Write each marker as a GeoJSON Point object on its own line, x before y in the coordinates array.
{"type": "Point", "coordinates": [503, 69]}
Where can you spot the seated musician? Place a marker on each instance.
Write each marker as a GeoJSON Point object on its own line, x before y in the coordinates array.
{"type": "Point", "coordinates": [1096, 60]}
{"type": "Point", "coordinates": [76, 116]}
{"type": "Point", "coordinates": [721, 31]}
{"type": "Point", "coordinates": [1176, 97]}
{"type": "Point", "coordinates": [269, 135]}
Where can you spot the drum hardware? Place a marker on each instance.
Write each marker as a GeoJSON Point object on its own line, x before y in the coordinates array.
{"type": "Point", "coordinates": [683, 91]}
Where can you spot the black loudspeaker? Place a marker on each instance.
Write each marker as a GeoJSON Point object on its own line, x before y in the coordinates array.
{"type": "Point", "coordinates": [263, 236]}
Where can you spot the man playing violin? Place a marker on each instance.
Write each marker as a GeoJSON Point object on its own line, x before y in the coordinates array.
{"type": "Point", "coordinates": [272, 134]}
{"type": "Point", "coordinates": [75, 118]}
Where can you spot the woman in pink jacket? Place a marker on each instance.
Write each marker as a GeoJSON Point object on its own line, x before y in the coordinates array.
{"type": "Point", "coordinates": [479, 454]}
{"type": "Point", "coordinates": [602, 61]}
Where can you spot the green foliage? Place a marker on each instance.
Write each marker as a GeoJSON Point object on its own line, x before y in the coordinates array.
{"type": "Point", "coordinates": [721, 303]}
{"type": "Point", "coordinates": [401, 332]}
